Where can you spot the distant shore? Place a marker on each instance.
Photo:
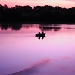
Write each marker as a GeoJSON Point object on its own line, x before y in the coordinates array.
{"type": "Point", "coordinates": [39, 22]}
{"type": "Point", "coordinates": [38, 14]}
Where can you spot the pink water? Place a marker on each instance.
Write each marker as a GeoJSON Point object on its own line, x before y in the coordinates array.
{"type": "Point", "coordinates": [21, 51]}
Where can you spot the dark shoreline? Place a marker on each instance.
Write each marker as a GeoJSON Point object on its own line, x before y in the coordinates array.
{"type": "Point", "coordinates": [38, 14]}
{"type": "Point", "coordinates": [32, 22]}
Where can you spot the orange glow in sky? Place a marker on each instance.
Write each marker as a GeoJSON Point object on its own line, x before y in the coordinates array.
{"type": "Point", "coordinates": [62, 3]}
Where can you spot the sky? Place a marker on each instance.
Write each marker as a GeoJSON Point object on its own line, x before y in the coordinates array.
{"type": "Point", "coordinates": [61, 3]}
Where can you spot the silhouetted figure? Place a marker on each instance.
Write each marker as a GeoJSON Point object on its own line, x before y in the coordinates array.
{"type": "Point", "coordinates": [43, 33]}
{"type": "Point", "coordinates": [39, 35]}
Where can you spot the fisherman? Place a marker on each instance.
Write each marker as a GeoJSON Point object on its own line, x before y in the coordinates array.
{"type": "Point", "coordinates": [39, 33]}
{"type": "Point", "coordinates": [43, 32]}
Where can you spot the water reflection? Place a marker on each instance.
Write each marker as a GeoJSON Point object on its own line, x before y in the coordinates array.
{"type": "Point", "coordinates": [18, 26]}
{"type": "Point", "coordinates": [13, 26]}
{"type": "Point", "coordinates": [34, 69]}
{"type": "Point", "coordinates": [50, 28]}
{"type": "Point", "coordinates": [20, 48]}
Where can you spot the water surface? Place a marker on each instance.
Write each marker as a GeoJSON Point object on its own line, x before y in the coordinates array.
{"type": "Point", "coordinates": [21, 53]}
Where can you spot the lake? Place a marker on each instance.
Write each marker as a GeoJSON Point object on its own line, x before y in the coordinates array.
{"type": "Point", "coordinates": [21, 53]}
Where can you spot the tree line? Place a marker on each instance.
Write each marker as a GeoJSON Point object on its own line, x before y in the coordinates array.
{"type": "Point", "coordinates": [37, 14]}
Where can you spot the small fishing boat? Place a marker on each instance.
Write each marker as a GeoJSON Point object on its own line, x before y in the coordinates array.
{"type": "Point", "coordinates": [40, 34]}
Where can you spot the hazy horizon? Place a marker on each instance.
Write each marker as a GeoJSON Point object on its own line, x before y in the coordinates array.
{"type": "Point", "coordinates": [32, 3]}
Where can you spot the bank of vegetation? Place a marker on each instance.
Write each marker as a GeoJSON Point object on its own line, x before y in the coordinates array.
{"type": "Point", "coordinates": [37, 14]}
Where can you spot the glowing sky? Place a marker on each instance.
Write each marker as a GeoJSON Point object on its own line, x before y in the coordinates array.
{"type": "Point", "coordinates": [62, 3]}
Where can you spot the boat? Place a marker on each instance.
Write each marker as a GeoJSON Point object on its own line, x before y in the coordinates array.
{"type": "Point", "coordinates": [40, 34]}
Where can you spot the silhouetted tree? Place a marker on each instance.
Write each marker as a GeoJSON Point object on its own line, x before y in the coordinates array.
{"type": "Point", "coordinates": [37, 14]}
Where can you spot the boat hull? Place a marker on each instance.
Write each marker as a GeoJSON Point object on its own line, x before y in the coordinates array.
{"type": "Point", "coordinates": [40, 35]}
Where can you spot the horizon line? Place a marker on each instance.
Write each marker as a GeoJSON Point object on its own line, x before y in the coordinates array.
{"type": "Point", "coordinates": [37, 5]}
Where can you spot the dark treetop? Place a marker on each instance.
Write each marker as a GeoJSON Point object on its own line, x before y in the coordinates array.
{"type": "Point", "coordinates": [37, 14]}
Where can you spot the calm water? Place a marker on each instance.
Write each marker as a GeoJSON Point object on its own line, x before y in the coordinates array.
{"type": "Point", "coordinates": [21, 53]}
